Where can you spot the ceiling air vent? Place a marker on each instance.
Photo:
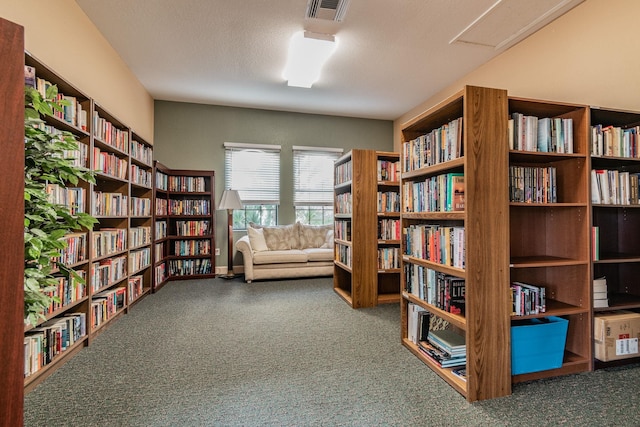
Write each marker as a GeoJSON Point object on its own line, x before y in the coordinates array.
{"type": "Point", "coordinates": [332, 10]}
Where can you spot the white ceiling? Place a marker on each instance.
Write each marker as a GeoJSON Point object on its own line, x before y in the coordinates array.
{"type": "Point", "coordinates": [392, 54]}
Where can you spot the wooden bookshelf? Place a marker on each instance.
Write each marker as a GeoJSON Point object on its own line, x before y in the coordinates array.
{"type": "Point", "coordinates": [184, 224]}
{"type": "Point", "coordinates": [115, 256]}
{"type": "Point", "coordinates": [12, 230]}
{"type": "Point", "coordinates": [549, 239]}
{"type": "Point", "coordinates": [618, 223]}
{"type": "Point", "coordinates": [358, 278]}
{"type": "Point", "coordinates": [483, 159]}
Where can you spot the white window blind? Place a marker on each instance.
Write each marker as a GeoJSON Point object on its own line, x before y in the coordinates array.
{"type": "Point", "coordinates": [313, 175]}
{"type": "Point", "coordinates": [253, 170]}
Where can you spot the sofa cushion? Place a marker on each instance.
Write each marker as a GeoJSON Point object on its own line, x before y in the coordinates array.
{"type": "Point", "coordinates": [256, 238]}
{"type": "Point", "coordinates": [318, 254]}
{"type": "Point", "coordinates": [282, 237]}
{"type": "Point", "coordinates": [328, 242]}
{"type": "Point", "coordinates": [280, 257]}
{"type": "Point", "coordinates": [313, 236]}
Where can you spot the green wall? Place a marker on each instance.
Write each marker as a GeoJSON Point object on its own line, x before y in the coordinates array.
{"type": "Point", "coordinates": [191, 136]}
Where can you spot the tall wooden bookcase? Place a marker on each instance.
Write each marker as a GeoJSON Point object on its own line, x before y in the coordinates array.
{"type": "Point", "coordinates": [357, 278]}
{"type": "Point", "coordinates": [485, 219]}
{"type": "Point", "coordinates": [617, 223]}
{"type": "Point", "coordinates": [114, 256]}
{"type": "Point", "coordinates": [12, 230]}
{"type": "Point", "coordinates": [550, 241]}
{"type": "Point", "coordinates": [184, 226]}
{"type": "Point", "coordinates": [542, 242]}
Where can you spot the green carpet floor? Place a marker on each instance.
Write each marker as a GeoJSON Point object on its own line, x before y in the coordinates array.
{"type": "Point", "coordinates": [291, 353]}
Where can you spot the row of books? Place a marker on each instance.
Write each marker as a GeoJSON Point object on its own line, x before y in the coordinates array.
{"type": "Point", "coordinates": [388, 201]}
{"type": "Point", "coordinates": [108, 241]}
{"type": "Point", "coordinates": [139, 236]}
{"type": "Point", "coordinates": [139, 259]}
{"type": "Point", "coordinates": [140, 206]}
{"type": "Point", "coordinates": [162, 207]}
{"type": "Point", "coordinates": [388, 258]}
{"type": "Point", "coordinates": [343, 203]}
{"type": "Point", "coordinates": [548, 135]}
{"type": "Point", "coordinates": [74, 198]}
{"type": "Point", "coordinates": [109, 204]}
{"type": "Point", "coordinates": [189, 207]}
{"type": "Point", "coordinates": [75, 249]}
{"type": "Point", "coordinates": [74, 113]}
{"type": "Point", "coordinates": [192, 247]}
{"type": "Point", "coordinates": [439, 145]}
{"type": "Point", "coordinates": [188, 267]}
{"type": "Point", "coordinates": [436, 243]}
{"type": "Point", "coordinates": [441, 290]}
{"type": "Point", "coordinates": [52, 338]}
{"type": "Point", "coordinates": [135, 288]}
{"type": "Point", "coordinates": [78, 157]}
{"type": "Point", "coordinates": [110, 134]}
{"type": "Point", "coordinates": [441, 193]}
{"type": "Point", "coordinates": [343, 254]}
{"type": "Point", "coordinates": [140, 176]}
{"type": "Point", "coordinates": [107, 304]}
{"type": "Point", "coordinates": [109, 164]}
{"type": "Point", "coordinates": [186, 184]}
{"type": "Point", "coordinates": [161, 229]}
{"type": "Point", "coordinates": [614, 141]}
{"type": "Point", "coordinates": [158, 250]}
{"type": "Point", "coordinates": [342, 230]}
{"type": "Point", "coordinates": [527, 299]}
{"type": "Point", "coordinates": [530, 184]}
{"type": "Point", "coordinates": [107, 272]}
{"type": "Point", "coordinates": [388, 170]}
{"type": "Point", "coordinates": [161, 273]}
{"type": "Point", "coordinates": [141, 152]}
{"type": "Point", "coordinates": [389, 229]}
{"type": "Point", "coordinates": [613, 187]}
{"type": "Point", "coordinates": [343, 173]}
{"type": "Point", "coordinates": [193, 228]}
{"type": "Point", "coordinates": [67, 291]}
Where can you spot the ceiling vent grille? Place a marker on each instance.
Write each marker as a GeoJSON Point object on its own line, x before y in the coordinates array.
{"type": "Point", "coordinates": [332, 10]}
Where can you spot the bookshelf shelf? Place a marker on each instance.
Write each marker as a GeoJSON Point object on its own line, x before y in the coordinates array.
{"type": "Point", "coordinates": [184, 201]}
{"type": "Point", "coordinates": [367, 204]}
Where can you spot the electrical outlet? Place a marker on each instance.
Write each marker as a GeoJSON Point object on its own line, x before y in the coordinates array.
{"type": "Point", "coordinates": [217, 251]}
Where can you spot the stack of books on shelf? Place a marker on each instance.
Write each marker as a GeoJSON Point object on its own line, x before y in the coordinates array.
{"type": "Point", "coordinates": [527, 299]}
{"type": "Point", "coordinates": [547, 135]}
{"type": "Point", "coordinates": [613, 187]}
{"type": "Point", "coordinates": [445, 347]}
{"type": "Point", "coordinates": [600, 298]}
{"type": "Point", "coordinates": [615, 141]}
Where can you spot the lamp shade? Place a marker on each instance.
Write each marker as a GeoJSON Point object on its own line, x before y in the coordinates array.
{"type": "Point", "coordinates": [230, 200]}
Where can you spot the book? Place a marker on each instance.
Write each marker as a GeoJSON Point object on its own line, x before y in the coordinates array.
{"type": "Point", "coordinates": [30, 76]}
{"type": "Point", "coordinates": [448, 341]}
{"type": "Point", "coordinates": [460, 373]}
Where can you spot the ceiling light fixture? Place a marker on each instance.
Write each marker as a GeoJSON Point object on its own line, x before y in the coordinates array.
{"type": "Point", "coordinates": [307, 54]}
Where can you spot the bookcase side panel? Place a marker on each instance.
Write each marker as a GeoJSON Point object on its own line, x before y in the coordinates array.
{"type": "Point", "coordinates": [487, 243]}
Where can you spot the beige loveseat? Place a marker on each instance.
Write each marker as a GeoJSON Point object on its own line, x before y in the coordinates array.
{"type": "Point", "coordinates": [286, 251]}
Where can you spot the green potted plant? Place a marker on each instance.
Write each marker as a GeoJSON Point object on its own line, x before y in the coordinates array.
{"type": "Point", "coordinates": [46, 223]}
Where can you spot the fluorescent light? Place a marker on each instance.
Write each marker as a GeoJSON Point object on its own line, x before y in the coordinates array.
{"type": "Point", "coordinates": [307, 54]}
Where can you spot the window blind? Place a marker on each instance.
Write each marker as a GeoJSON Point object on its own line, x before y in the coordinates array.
{"type": "Point", "coordinates": [313, 175]}
{"type": "Point", "coordinates": [253, 170]}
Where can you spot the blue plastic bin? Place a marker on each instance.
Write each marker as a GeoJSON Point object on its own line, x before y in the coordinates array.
{"type": "Point", "coordinates": [537, 344]}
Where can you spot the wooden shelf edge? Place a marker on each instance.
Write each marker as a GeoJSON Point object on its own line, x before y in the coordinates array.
{"type": "Point", "coordinates": [344, 295]}
{"type": "Point", "coordinates": [455, 319]}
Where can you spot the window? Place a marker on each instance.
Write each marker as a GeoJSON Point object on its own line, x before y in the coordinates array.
{"type": "Point", "coordinates": [313, 184]}
{"type": "Point", "coordinates": [253, 170]}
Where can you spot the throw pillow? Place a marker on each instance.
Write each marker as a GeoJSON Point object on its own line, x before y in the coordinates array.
{"type": "Point", "coordinates": [328, 243]}
{"type": "Point", "coordinates": [256, 238]}
{"type": "Point", "coordinates": [281, 238]}
{"type": "Point", "coordinates": [313, 236]}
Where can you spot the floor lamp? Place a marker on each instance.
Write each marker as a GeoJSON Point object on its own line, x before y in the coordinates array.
{"type": "Point", "coordinates": [230, 200]}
